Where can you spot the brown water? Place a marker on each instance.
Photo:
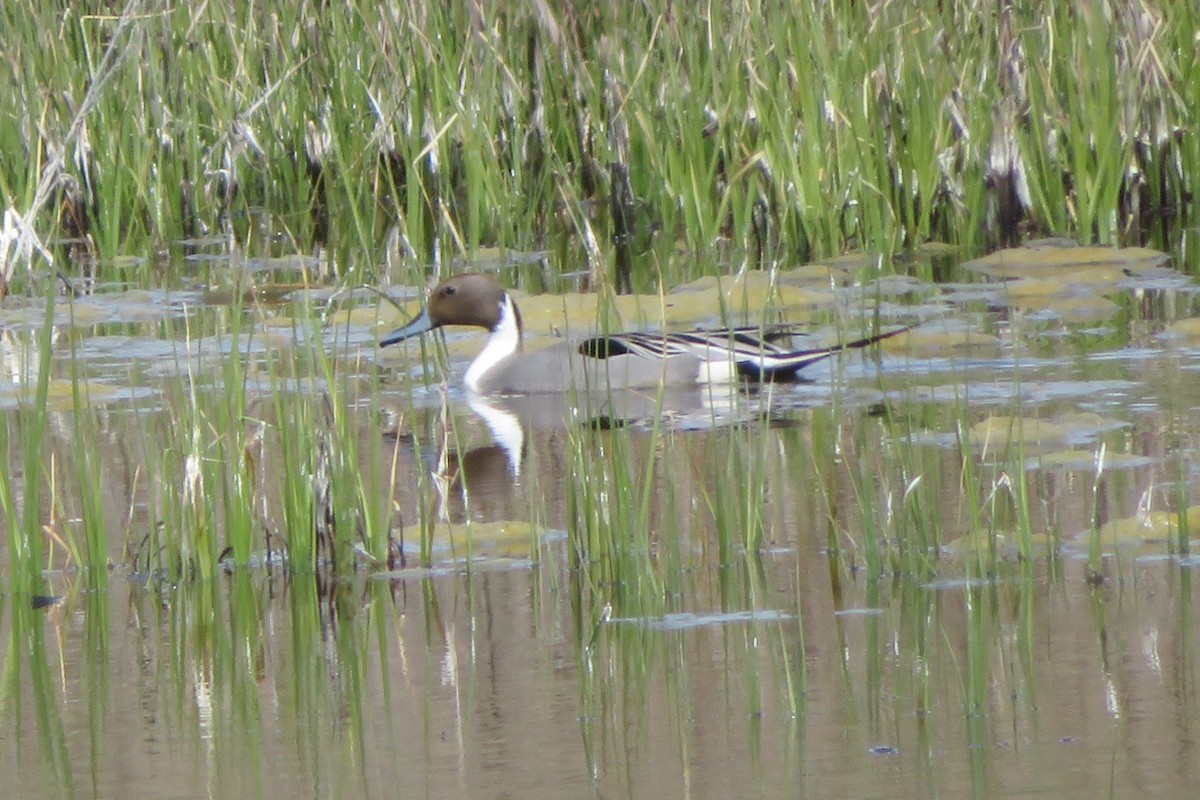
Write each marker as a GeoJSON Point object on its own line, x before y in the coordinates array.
{"type": "Point", "coordinates": [442, 687]}
{"type": "Point", "coordinates": [787, 672]}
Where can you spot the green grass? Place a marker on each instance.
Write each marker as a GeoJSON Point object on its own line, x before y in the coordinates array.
{"type": "Point", "coordinates": [431, 132]}
{"type": "Point", "coordinates": [872, 126]}
{"type": "Point", "coordinates": [609, 521]}
{"type": "Point", "coordinates": [425, 133]}
{"type": "Point", "coordinates": [21, 500]}
{"type": "Point", "coordinates": [93, 555]}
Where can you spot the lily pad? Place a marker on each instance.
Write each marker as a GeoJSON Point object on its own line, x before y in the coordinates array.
{"type": "Point", "coordinates": [932, 340]}
{"type": "Point", "coordinates": [814, 275]}
{"type": "Point", "coordinates": [937, 248]}
{"type": "Point", "coordinates": [750, 295]}
{"type": "Point", "coordinates": [1078, 310]}
{"type": "Point", "coordinates": [853, 262]}
{"type": "Point", "coordinates": [485, 540]}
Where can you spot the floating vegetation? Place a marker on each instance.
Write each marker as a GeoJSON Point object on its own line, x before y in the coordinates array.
{"type": "Point", "coordinates": [1148, 528]}
{"type": "Point", "coordinates": [1066, 261]}
{"type": "Point", "coordinates": [1069, 428]}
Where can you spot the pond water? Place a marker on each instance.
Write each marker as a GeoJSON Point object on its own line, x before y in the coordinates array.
{"type": "Point", "coordinates": [959, 566]}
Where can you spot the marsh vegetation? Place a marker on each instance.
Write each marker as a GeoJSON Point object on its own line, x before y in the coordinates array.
{"type": "Point", "coordinates": [245, 550]}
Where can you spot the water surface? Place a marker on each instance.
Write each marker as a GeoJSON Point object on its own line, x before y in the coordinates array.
{"type": "Point", "coordinates": [952, 567]}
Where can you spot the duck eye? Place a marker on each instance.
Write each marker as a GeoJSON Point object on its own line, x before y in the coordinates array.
{"type": "Point", "coordinates": [449, 290]}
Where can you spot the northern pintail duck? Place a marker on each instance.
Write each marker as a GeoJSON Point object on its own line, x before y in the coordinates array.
{"type": "Point", "coordinates": [639, 360]}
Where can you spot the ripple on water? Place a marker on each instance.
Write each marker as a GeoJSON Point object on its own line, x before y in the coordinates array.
{"type": "Point", "coordinates": [684, 621]}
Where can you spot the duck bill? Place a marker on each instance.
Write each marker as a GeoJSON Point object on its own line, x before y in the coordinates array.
{"type": "Point", "coordinates": [422, 323]}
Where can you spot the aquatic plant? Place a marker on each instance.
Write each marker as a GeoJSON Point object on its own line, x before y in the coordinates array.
{"type": "Point", "coordinates": [425, 132]}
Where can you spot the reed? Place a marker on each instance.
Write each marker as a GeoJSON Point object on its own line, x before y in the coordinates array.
{"type": "Point", "coordinates": [92, 557]}
{"type": "Point", "coordinates": [441, 131]}
{"type": "Point", "coordinates": [638, 146]}
{"type": "Point", "coordinates": [610, 529]}
{"type": "Point", "coordinates": [22, 503]}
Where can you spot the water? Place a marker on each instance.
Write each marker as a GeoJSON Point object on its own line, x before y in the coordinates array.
{"type": "Point", "coordinates": [827, 595]}
{"type": "Point", "coordinates": [452, 686]}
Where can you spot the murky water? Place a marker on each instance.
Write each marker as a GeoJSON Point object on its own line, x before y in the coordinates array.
{"type": "Point", "coordinates": [445, 686]}
{"type": "Point", "coordinates": [880, 635]}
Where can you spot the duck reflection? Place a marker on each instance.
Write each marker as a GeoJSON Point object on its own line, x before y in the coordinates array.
{"type": "Point", "coordinates": [520, 457]}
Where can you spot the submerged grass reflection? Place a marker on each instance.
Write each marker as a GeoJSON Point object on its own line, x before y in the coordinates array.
{"type": "Point", "coordinates": [28, 654]}
{"type": "Point", "coordinates": [436, 681]}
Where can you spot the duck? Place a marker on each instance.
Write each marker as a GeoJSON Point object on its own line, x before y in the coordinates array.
{"type": "Point", "coordinates": [638, 360]}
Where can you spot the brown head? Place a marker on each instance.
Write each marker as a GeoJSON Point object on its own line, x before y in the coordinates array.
{"type": "Point", "coordinates": [469, 299]}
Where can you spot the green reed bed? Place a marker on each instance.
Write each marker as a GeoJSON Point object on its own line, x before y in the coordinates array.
{"type": "Point", "coordinates": [919, 637]}
{"type": "Point", "coordinates": [303, 470]}
{"type": "Point", "coordinates": [93, 555]}
{"type": "Point", "coordinates": [254, 457]}
{"type": "Point", "coordinates": [613, 535]}
{"type": "Point", "coordinates": [883, 495]}
{"type": "Point", "coordinates": [444, 442]}
{"type": "Point", "coordinates": [238, 457]}
{"type": "Point", "coordinates": [640, 523]}
{"type": "Point", "coordinates": [336, 502]}
{"type": "Point", "coordinates": [734, 494]}
{"type": "Point", "coordinates": [228, 453]}
{"type": "Point", "coordinates": [151, 540]}
{"type": "Point", "coordinates": [21, 501]}
{"type": "Point", "coordinates": [915, 482]}
{"type": "Point", "coordinates": [996, 515]}
{"type": "Point", "coordinates": [204, 465]}
{"type": "Point", "coordinates": [432, 131]}
{"type": "Point", "coordinates": [982, 496]}
{"type": "Point", "coordinates": [848, 457]}
{"type": "Point", "coordinates": [327, 516]}
{"type": "Point", "coordinates": [641, 528]}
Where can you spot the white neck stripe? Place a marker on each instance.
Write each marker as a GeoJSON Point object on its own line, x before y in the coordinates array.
{"type": "Point", "coordinates": [503, 342]}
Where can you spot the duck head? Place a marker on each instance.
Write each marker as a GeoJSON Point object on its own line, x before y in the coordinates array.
{"type": "Point", "coordinates": [469, 299]}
